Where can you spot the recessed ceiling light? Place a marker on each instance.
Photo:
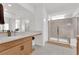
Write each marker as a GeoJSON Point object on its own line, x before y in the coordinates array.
{"type": "Point", "coordinates": [9, 5]}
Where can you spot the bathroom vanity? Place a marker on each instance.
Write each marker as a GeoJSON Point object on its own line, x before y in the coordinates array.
{"type": "Point", "coordinates": [20, 44]}
{"type": "Point", "coordinates": [78, 45]}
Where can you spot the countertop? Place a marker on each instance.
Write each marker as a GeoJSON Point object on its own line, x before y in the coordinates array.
{"type": "Point", "coordinates": [17, 36]}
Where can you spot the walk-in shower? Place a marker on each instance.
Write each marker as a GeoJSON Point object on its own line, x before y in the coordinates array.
{"type": "Point", "coordinates": [61, 30]}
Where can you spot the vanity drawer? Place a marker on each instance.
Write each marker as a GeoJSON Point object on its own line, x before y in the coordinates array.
{"type": "Point", "coordinates": [18, 47]}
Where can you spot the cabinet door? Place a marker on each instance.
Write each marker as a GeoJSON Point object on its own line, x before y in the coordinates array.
{"type": "Point", "coordinates": [12, 51]}
{"type": "Point", "coordinates": [26, 48]}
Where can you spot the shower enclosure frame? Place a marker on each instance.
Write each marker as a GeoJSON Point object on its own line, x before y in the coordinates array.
{"type": "Point", "coordinates": [58, 34]}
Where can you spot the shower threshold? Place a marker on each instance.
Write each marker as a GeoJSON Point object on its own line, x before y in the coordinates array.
{"type": "Point", "coordinates": [60, 43]}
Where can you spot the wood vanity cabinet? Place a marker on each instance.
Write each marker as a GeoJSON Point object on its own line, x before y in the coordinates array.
{"type": "Point", "coordinates": [77, 45]}
{"type": "Point", "coordinates": [18, 47]}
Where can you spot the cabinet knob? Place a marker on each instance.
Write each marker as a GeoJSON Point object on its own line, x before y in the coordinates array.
{"type": "Point", "coordinates": [33, 38]}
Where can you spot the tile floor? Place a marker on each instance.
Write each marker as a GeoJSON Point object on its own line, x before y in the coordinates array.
{"type": "Point", "coordinates": [51, 49]}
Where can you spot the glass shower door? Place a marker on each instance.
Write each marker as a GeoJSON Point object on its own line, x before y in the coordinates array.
{"type": "Point", "coordinates": [65, 30]}
{"type": "Point", "coordinates": [52, 30]}
{"type": "Point", "coordinates": [60, 30]}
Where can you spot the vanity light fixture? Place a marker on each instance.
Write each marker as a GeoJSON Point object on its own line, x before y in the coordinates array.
{"type": "Point", "coordinates": [58, 17]}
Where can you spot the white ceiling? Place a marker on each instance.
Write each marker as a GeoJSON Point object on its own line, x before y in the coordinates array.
{"type": "Point", "coordinates": [53, 8]}
{"type": "Point", "coordinates": [16, 10]}
{"type": "Point", "coordinates": [23, 10]}
{"type": "Point", "coordinates": [59, 7]}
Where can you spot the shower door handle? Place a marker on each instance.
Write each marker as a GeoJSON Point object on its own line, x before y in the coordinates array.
{"type": "Point", "coordinates": [58, 32]}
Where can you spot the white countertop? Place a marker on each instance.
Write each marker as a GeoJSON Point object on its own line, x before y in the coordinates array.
{"type": "Point", "coordinates": [17, 36]}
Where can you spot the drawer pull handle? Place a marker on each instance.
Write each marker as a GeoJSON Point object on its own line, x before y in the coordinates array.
{"type": "Point", "coordinates": [21, 48]}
